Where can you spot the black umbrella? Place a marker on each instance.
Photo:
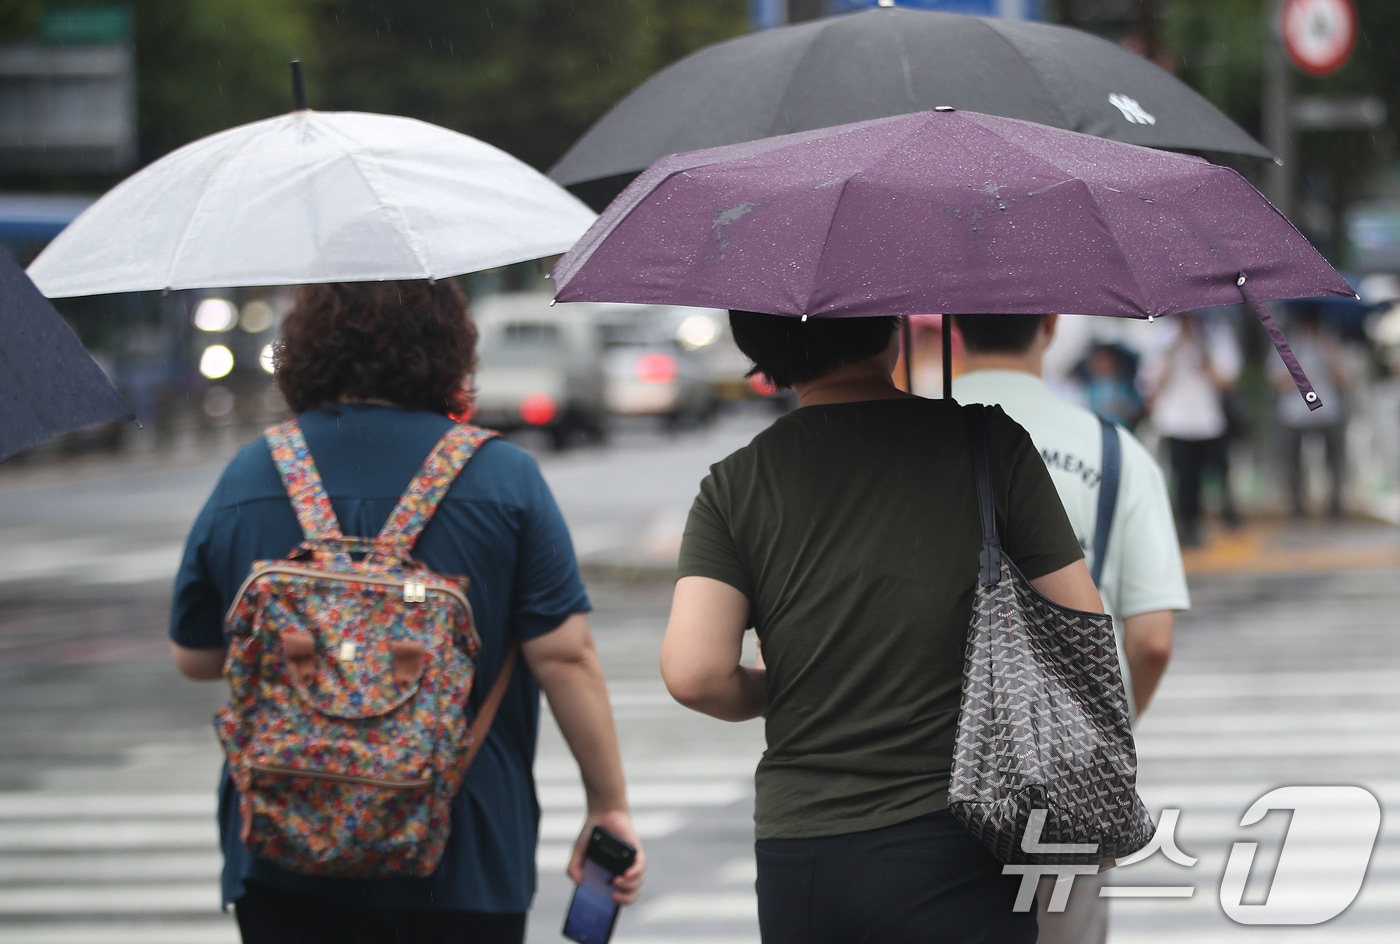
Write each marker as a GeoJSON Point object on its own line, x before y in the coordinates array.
{"type": "Point", "coordinates": [892, 61]}
{"type": "Point", "coordinates": [49, 383]}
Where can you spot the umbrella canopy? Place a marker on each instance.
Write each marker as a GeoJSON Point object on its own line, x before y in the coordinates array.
{"type": "Point", "coordinates": [892, 61]}
{"type": "Point", "coordinates": [947, 211]}
{"type": "Point", "coordinates": [49, 383]}
{"type": "Point", "coordinates": [313, 197]}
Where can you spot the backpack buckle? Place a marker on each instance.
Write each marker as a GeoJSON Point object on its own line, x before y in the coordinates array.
{"type": "Point", "coordinates": [415, 590]}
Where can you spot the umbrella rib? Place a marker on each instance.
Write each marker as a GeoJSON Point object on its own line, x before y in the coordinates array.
{"type": "Point", "coordinates": [1064, 117]}
{"type": "Point", "coordinates": [222, 161]}
{"type": "Point", "coordinates": [826, 238]}
{"type": "Point", "coordinates": [391, 211]}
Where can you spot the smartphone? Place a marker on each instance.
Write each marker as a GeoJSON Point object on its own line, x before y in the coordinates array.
{"type": "Point", "coordinates": [593, 913]}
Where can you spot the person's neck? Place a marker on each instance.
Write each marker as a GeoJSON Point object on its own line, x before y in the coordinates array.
{"type": "Point", "coordinates": [849, 384]}
{"type": "Point", "coordinates": [1027, 363]}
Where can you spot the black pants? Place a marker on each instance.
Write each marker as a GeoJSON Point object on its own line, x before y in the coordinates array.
{"type": "Point", "coordinates": [1190, 458]}
{"type": "Point", "coordinates": [927, 881]}
{"type": "Point", "coordinates": [1334, 451]}
{"type": "Point", "coordinates": [269, 915]}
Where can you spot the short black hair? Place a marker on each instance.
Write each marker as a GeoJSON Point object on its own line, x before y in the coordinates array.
{"type": "Point", "coordinates": [789, 351]}
{"type": "Point", "coordinates": [998, 334]}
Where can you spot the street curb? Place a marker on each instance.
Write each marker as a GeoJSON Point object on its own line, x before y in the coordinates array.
{"type": "Point", "coordinates": [650, 573]}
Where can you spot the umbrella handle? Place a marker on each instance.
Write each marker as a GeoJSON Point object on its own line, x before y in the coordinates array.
{"type": "Point", "coordinates": [906, 340]}
{"type": "Point", "coordinates": [1295, 370]}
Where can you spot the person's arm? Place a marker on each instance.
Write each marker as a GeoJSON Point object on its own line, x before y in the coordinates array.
{"type": "Point", "coordinates": [1147, 646]}
{"type": "Point", "coordinates": [1070, 586]}
{"type": "Point", "coordinates": [202, 665]}
{"type": "Point", "coordinates": [701, 652]}
{"type": "Point", "coordinates": [565, 663]}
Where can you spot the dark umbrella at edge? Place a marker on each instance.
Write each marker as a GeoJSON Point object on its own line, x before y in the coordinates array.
{"type": "Point", "coordinates": [49, 383]}
{"type": "Point", "coordinates": [883, 62]}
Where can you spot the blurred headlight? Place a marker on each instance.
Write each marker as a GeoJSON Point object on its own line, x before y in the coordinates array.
{"type": "Point", "coordinates": [216, 361]}
{"type": "Point", "coordinates": [257, 317]}
{"type": "Point", "coordinates": [696, 331]}
{"type": "Point", "coordinates": [265, 359]}
{"type": "Point", "coordinates": [215, 314]}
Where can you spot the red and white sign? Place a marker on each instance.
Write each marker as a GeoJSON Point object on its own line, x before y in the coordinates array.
{"type": "Point", "coordinates": [1319, 35]}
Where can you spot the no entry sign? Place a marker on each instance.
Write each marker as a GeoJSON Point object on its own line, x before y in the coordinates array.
{"type": "Point", "coordinates": [1319, 35]}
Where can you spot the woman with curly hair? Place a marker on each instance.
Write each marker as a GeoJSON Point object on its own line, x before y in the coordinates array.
{"type": "Point", "coordinates": [373, 371]}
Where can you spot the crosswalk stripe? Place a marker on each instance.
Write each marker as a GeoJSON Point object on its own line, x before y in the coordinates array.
{"type": "Point", "coordinates": [166, 898]}
{"type": "Point", "coordinates": [699, 906]}
{"type": "Point", "coordinates": [47, 805]}
{"type": "Point", "coordinates": [219, 929]}
{"type": "Point", "coordinates": [645, 795]}
{"type": "Point", "coordinates": [123, 866]}
{"type": "Point", "coordinates": [1290, 685]}
{"type": "Point", "coordinates": [1230, 744]}
{"type": "Point", "coordinates": [118, 834]}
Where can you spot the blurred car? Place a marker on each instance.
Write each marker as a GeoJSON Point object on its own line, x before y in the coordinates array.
{"type": "Point", "coordinates": [540, 367]}
{"type": "Point", "coordinates": [654, 367]}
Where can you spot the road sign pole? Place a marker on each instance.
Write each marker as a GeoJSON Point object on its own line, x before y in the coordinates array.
{"type": "Point", "coordinates": [1281, 177]}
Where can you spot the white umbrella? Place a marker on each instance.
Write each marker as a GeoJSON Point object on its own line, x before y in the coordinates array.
{"type": "Point", "coordinates": [313, 197]}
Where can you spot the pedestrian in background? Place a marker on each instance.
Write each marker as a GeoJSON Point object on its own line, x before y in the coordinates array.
{"type": "Point", "coordinates": [1109, 376]}
{"type": "Point", "coordinates": [1319, 351]}
{"type": "Point", "coordinates": [1141, 578]}
{"type": "Point", "coordinates": [373, 370]}
{"type": "Point", "coordinates": [847, 536]}
{"type": "Point", "coordinates": [1187, 379]}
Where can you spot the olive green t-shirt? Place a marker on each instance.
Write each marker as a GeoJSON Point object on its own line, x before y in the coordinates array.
{"type": "Point", "coordinates": [853, 531]}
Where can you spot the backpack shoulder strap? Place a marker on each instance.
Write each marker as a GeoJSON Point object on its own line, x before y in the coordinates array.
{"type": "Point", "coordinates": [302, 481]}
{"type": "Point", "coordinates": [481, 726]}
{"type": "Point", "coordinates": [1111, 470]}
{"type": "Point", "coordinates": [443, 464]}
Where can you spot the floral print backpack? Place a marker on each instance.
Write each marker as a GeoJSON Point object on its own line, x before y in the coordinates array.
{"type": "Point", "coordinates": [349, 665]}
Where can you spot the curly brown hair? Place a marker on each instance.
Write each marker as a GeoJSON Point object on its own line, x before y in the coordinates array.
{"type": "Point", "coordinates": [412, 344]}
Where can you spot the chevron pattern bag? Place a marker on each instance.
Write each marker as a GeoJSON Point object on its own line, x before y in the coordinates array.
{"type": "Point", "coordinates": [1044, 723]}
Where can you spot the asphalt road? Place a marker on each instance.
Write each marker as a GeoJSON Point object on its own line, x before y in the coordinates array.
{"type": "Point", "coordinates": [107, 763]}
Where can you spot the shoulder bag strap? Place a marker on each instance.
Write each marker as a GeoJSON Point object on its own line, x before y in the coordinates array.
{"type": "Point", "coordinates": [302, 481]}
{"type": "Point", "coordinates": [1111, 468]}
{"type": "Point", "coordinates": [990, 558]}
{"type": "Point", "coordinates": [441, 467]}
{"type": "Point", "coordinates": [481, 724]}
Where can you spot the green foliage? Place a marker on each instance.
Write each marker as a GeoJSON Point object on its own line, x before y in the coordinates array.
{"type": "Point", "coordinates": [206, 65]}
{"type": "Point", "coordinates": [1219, 49]}
{"type": "Point", "coordinates": [19, 19]}
{"type": "Point", "coordinates": [526, 75]}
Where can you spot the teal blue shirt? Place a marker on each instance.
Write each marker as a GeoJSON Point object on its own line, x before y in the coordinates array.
{"type": "Point", "coordinates": [499, 525]}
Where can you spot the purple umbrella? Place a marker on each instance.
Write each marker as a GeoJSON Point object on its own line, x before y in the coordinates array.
{"type": "Point", "coordinates": [945, 211]}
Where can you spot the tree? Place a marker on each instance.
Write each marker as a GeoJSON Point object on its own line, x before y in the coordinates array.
{"type": "Point", "coordinates": [206, 66]}
{"type": "Point", "coordinates": [528, 76]}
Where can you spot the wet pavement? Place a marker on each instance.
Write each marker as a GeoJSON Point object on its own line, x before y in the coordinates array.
{"type": "Point", "coordinates": [1287, 671]}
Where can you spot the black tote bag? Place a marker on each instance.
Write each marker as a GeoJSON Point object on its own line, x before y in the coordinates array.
{"type": "Point", "coordinates": [1044, 721]}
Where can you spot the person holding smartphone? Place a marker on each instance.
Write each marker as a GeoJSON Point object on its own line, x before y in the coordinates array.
{"type": "Point", "coordinates": [374, 371]}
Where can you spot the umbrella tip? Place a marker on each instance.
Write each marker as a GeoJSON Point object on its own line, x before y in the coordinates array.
{"type": "Point", "coordinates": [298, 88]}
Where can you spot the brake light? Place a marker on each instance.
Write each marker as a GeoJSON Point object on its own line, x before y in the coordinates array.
{"type": "Point", "coordinates": [656, 368]}
{"type": "Point", "coordinates": [537, 409]}
{"type": "Point", "coordinates": [759, 384]}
